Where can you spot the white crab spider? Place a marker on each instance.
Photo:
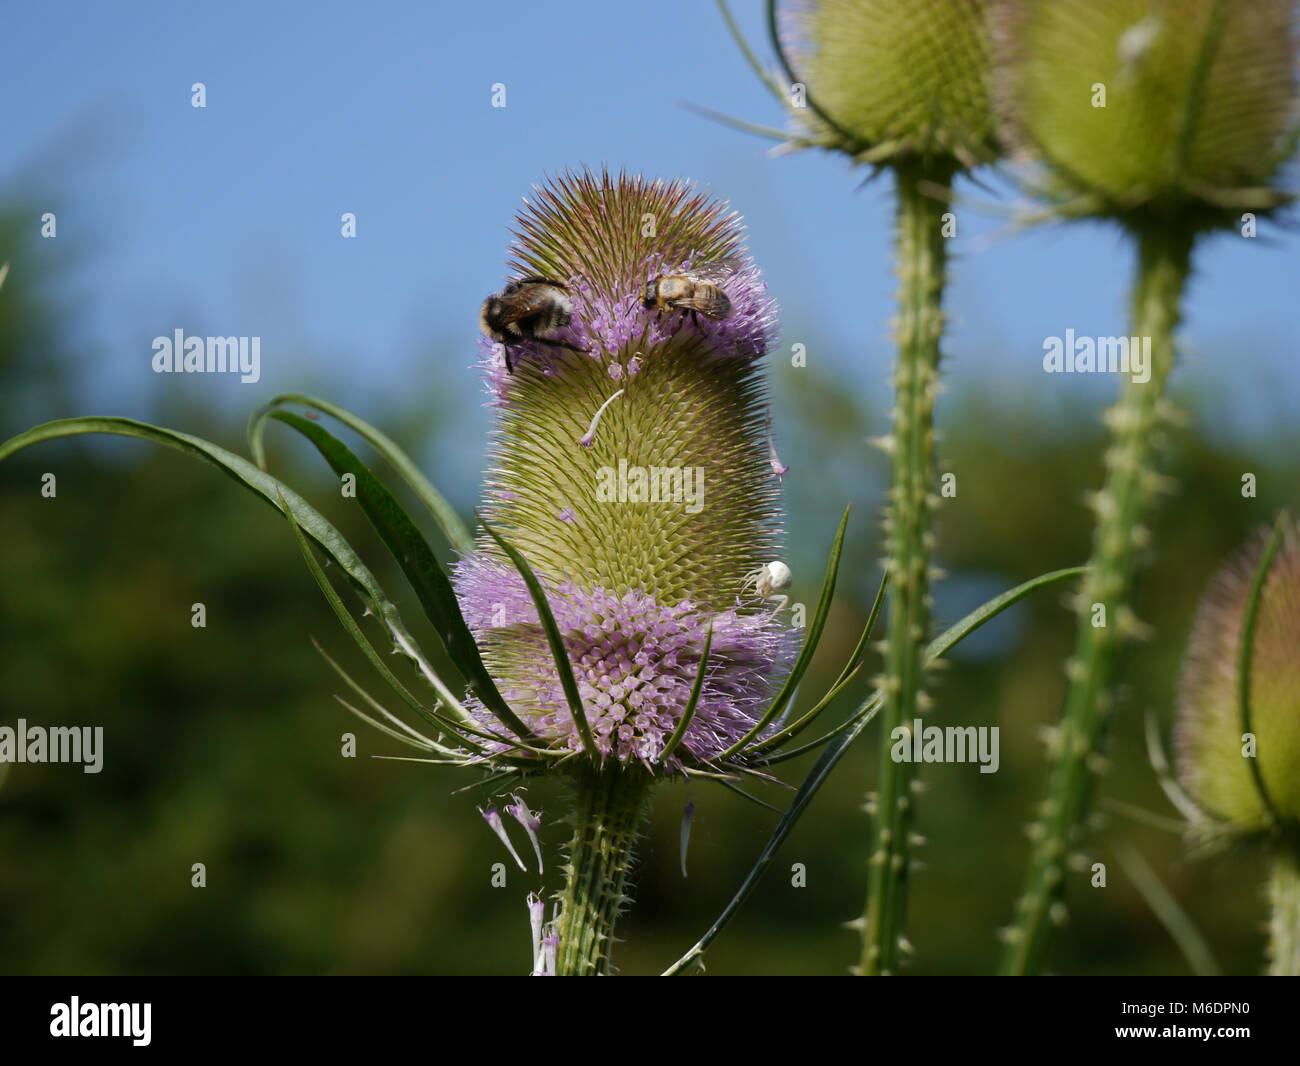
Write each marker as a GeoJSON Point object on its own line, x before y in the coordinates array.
{"type": "Point", "coordinates": [769, 581]}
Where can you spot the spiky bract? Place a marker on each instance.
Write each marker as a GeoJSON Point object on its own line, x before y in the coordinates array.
{"type": "Point", "coordinates": [1213, 753]}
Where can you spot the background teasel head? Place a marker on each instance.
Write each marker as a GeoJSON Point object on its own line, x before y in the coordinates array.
{"type": "Point", "coordinates": [1182, 110]}
{"type": "Point", "coordinates": [629, 465]}
{"type": "Point", "coordinates": [892, 80]}
{"type": "Point", "coordinates": [1214, 763]}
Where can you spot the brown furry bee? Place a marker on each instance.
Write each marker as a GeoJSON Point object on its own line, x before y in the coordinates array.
{"type": "Point", "coordinates": [696, 290]}
{"type": "Point", "coordinates": [529, 309]}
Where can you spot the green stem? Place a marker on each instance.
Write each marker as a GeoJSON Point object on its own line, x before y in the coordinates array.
{"type": "Point", "coordinates": [922, 259]}
{"type": "Point", "coordinates": [1284, 923]}
{"type": "Point", "coordinates": [609, 803]}
{"type": "Point", "coordinates": [1106, 620]}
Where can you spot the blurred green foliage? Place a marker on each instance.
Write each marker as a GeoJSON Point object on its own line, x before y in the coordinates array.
{"type": "Point", "coordinates": [223, 744]}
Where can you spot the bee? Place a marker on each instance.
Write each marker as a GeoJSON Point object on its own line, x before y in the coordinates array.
{"type": "Point", "coordinates": [528, 309]}
{"type": "Point", "coordinates": [695, 290]}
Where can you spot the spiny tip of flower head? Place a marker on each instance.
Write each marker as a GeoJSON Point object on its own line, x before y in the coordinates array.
{"type": "Point", "coordinates": [606, 238]}
{"type": "Point", "coordinates": [1214, 756]}
{"type": "Point", "coordinates": [636, 459]}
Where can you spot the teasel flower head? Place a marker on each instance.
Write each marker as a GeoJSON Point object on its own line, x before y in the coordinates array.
{"type": "Point", "coordinates": [620, 617]}
{"type": "Point", "coordinates": [1247, 781]}
{"type": "Point", "coordinates": [889, 81]}
{"type": "Point", "coordinates": [629, 467]}
{"type": "Point", "coordinates": [1178, 111]}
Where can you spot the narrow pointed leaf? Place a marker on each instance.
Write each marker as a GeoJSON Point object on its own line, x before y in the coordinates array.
{"type": "Point", "coordinates": [411, 734]}
{"type": "Point", "coordinates": [1246, 654]}
{"type": "Point", "coordinates": [1190, 809]}
{"type": "Point", "coordinates": [680, 732]}
{"type": "Point", "coordinates": [860, 652]}
{"type": "Point", "coordinates": [816, 777]}
{"type": "Point", "coordinates": [835, 751]}
{"type": "Point", "coordinates": [770, 133]}
{"type": "Point", "coordinates": [443, 513]}
{"type": "Point", "coordinates": [354, 631]}
{"type": "Point", "coordinates": [730, 787]}
{"type": "Point", "coordinates": [270, 489]}
{"type": "Point", "coordinates": [417, 562]}
{"type": "Point", "coordinates": [849, 672]}
{"type": "Point", "coordinates": [809, 645]}
{"type": "Point", "coordinates": [563, 667]}
{"type": "Point", "coordinates": [781, 94]}
{"type": "Point", "coordinates": [379, 726]}
{"type": "Point", "coordinates": [1178, 924]}
{"type": "Point", "coordinates": [787, 754]}
{"type": "Point", "coordinates": [955, 633]}
{"type": "Point", "coordinates": [789, 732]}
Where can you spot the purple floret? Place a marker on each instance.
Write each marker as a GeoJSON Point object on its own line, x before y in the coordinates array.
{"type": "Point", "coordinates": [635, 662]}
{"type": "Point", "coordinates": [619, 330]}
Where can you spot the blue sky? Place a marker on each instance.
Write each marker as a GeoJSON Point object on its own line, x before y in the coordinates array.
{"type": "Point", "coordinates": [225, 220]}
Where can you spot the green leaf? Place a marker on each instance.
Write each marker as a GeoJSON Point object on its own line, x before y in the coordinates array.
{"type": "Point", "coordinates": [860, 652]}
{"type": "Point", "coordinates": [443, 513]}
{"type": "Point", "coordinates": [354, 631]}
{"type": "Point", "coordinates": [730, 787]}
{"type": "Point", "coordinates": [834, 752]}
{"type": "Point", "coordinates": [418, 563]}
{"type": "Point", "coordinates": [314, 525]}
{"type": "Point", "coordinates": [809, 645]}
{"type": "Point", "coordinates": [399, 729]}
{"type": "Point", "coordinates": [1170, 913]}
{"type": "Point", "coordinates": [344, 616]}
{"type": "Point", "coordinates": [771, 133]}
{"type": "Point", "coordinates": [849, 672]}
{"type": "Point", "coordinates": [691, 703]}
{"type": "Point", "coordinates": [1189, 808]}
{"type": "Point", "coordinates": [955, 633]}
{"type": "Point", "coordinates": [1246, 653]}
{"type": "Point", "coordinates": [815, 779]}
{"type": "Point", "coordinates": [781, 93]}
{"type": "Point", "coordinates": [556, 642]}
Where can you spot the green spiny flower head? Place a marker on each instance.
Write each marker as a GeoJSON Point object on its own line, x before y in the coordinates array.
{"type": "Point", "coordinates": [897, 78]}
{"type": "Point", "coordinates": [1178, 108]}
{"type": "Point", "coordinates": [1213, 759]}
{"type": "Point", "coordinates": [629, 464]}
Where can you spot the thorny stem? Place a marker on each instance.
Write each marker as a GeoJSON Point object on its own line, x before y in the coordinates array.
{"type": "Point", "coordinates": [1105, 619]}
{"type": "Point", "coordinates": [609, 803]}
{"type": "Point", "coordinates": [1284, 922]}
{"type": "Point", "coordinates": [922, 259]}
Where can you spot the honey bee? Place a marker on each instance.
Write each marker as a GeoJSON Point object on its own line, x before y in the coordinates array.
{"type": "Point", "coordinates": [696, 290]}
{"type": "Point", "coordinates": [528, 309]}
